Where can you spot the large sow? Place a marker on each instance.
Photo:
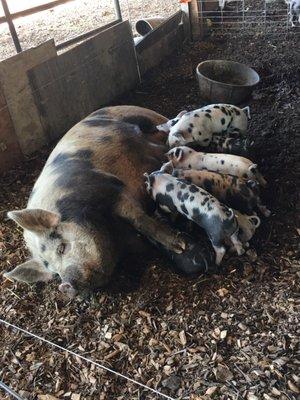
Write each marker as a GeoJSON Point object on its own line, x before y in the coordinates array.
{"type": "Point", "coordinates": [89, 201]}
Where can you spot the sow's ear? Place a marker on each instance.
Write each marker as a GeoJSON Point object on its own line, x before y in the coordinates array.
{"type": "Point", "coordinates": [29, 272]}
{"type": "Point", "coordinates": [35, 220]}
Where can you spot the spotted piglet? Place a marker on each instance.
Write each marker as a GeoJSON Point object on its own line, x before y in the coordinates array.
{"type": "Point", "coordinates": [186, 158]}
{"type": "Point", "coordinates": [233, 191]}
{"type": "Point", "coordinates": [200, 125]}
{"type": "Point", "coordinates": [198, 206]}
{"type": "Point", "coordinates": [231, 145]}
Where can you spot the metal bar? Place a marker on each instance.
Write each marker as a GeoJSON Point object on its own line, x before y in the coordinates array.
{"type": "Point", "coordinates": [34, 10]}
{"type": "Point", "coordinates": [11, 26]}
{"type": "Point", "coordinates": [86, 35]}
{"type": "Point", "coordinates": [10, 391]}
{"type": "Point", "coordinates": [118, 9]}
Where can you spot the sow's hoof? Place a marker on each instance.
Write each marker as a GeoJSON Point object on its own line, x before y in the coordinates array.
{"type": "Point", "coordinates": [198, 258]}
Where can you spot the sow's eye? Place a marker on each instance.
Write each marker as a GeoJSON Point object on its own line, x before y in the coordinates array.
{"type": "Point", "coordinates": [62, 249]}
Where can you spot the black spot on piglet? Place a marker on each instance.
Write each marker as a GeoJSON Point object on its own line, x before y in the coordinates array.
{"type": "Point", "coordinates": [194, 189]}
{"type": "Point", "coordinates": [54, 235]}
{"type": "Point", "coordinates": [185, 196]}
{"type": "Point", "coordinates": [208, 185]}
{"type": "Point", "coordinates": [169, 187]}
{"type": "Point", "coordinates": [183, 208]}
{"type": "Point", "coordinates": [166, 200]}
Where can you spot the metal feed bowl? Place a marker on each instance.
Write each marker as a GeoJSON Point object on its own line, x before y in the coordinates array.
{"type": "Point", "coordinates": [222, 81]}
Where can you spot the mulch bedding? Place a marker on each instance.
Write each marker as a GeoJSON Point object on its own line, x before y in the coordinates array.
{"type": "Point", "coordinates": [227, 336]}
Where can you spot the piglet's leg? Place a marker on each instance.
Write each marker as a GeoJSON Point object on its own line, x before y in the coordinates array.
{"type": "Point", "coordinates": [130, 210]}
{"type": "Point", "coordinates": [237, 244]}
{"type": "Point", "coordinates": [220, 252]}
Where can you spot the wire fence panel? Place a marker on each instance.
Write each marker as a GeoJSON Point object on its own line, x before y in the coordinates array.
{"type": "Point", "coordinates": [246, 17]}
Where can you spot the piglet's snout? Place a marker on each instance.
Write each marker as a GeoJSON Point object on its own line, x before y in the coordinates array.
{"type": "Point", "coordinates": [67, 289]}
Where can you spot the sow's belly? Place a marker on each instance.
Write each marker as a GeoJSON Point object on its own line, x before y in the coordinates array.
{"type": "Point", "coordinates": [121, 141]}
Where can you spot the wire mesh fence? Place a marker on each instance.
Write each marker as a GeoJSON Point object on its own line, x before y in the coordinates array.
{"type": "Point", "coordinates": [246, 16]}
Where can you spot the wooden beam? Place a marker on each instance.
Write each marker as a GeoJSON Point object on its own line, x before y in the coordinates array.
{"type": "Point", "coordinates": [33, 10]}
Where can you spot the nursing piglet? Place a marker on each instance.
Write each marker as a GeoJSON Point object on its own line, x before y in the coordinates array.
{"type": "Point", "coordinates": [231, 190]}
{"type": "Point", "coordinates": [198, 206]}
{"type": "Point", "coordinates": [200, 125]}
{"type": "Point", "coordinates": [187, 158]}
{"type": "Point", "coordinates": [239, 146]}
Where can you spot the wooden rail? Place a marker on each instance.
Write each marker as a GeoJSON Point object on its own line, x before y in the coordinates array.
{"type": "Point", "coordinates": [32, 10]}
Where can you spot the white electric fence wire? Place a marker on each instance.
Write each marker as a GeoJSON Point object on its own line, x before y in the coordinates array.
{"type": "Point", "coordinates": [86, 359]}
{"type": "Point", "coordinates": [10, 391]}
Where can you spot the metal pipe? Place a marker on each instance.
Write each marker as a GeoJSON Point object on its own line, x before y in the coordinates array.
{"type": "Point", "coordinates": [118, 9]}
{"type": "Point", "coordinates": [11, 26]}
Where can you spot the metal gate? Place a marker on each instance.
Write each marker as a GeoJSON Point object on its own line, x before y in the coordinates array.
{"type": "Point", "coordinates": [246, 16]}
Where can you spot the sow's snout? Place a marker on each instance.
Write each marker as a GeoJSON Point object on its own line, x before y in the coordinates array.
{"type": "Point", "coordinates": [82, 280]}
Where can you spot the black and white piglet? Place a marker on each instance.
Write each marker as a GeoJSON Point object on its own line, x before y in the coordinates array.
{"type": "Point", "coordinates": [186, 158]}
{"type": "Point", "coordinates": [199, 206]}
{"type": "Point", "coordinates": [200, 125]}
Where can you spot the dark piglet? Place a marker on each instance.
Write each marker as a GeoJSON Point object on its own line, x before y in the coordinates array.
{"type": "Point", "coordinates": [199, 206]}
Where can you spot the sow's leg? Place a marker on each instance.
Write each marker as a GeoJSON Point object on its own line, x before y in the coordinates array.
{"type": "Point", "coordinates": [131, 211]}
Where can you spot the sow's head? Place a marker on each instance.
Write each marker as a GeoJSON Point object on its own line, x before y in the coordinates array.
{"type": "Point", "coordinates": [66, 248]}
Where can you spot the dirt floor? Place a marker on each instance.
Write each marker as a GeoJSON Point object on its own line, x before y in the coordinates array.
{"type": "Point", "coordinates": [228, 336]}
{"type": "Point", "coordinates": [72, 19]}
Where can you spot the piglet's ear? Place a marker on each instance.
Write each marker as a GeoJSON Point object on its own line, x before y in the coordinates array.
{"type": "Point", "coordinates": [255, 220]}
{"type": "Point", "coordinates": [29, 272]}
{"type": "Point", "coordinates": [167, 167]}
{"type": "Point", "coordinates": [181, 113]}
{"type": "Point", "coordinates": [253, 168]}
{"type": "Point", "coordinates": [163, 127]}
{"type": "Point", "coordinates": [35, 220]}
{"type": "Point", "coordinates": [178, 154]}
